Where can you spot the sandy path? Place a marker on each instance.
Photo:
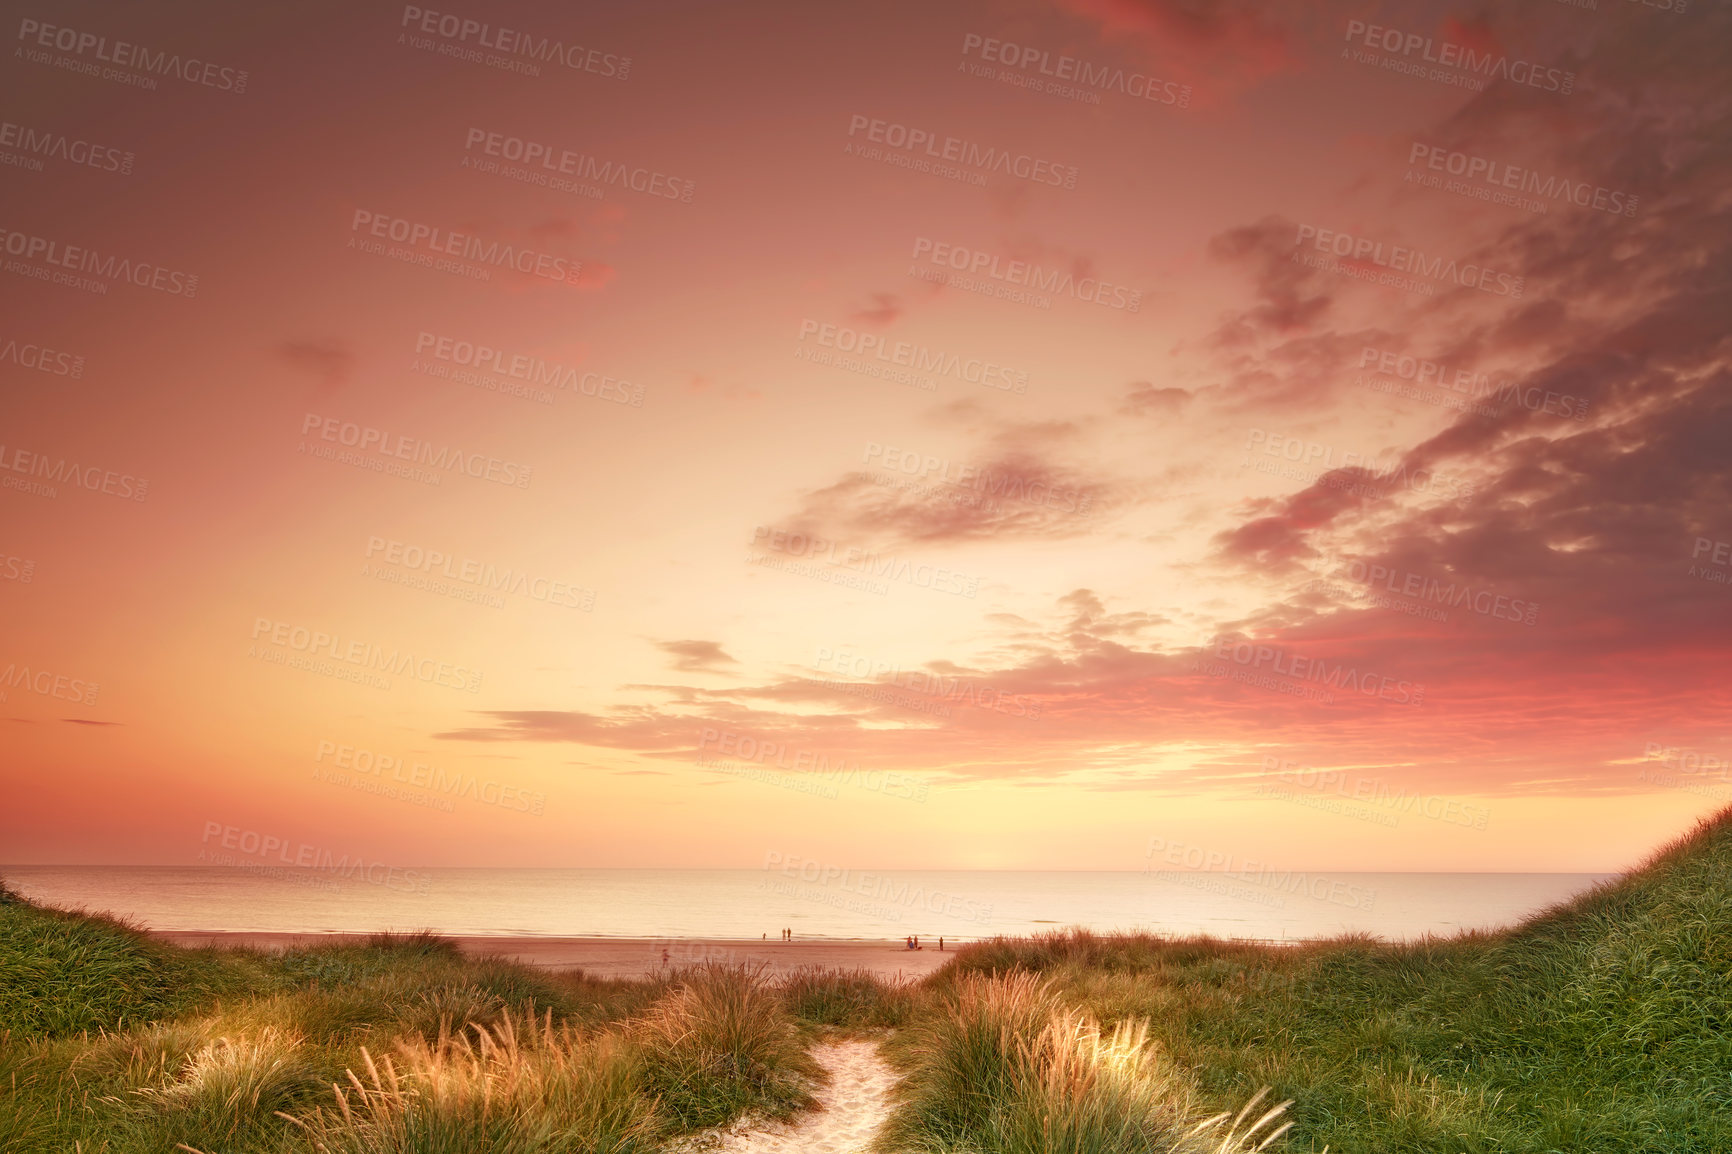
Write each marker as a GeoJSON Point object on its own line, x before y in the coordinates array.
{"type": "Point", "coordinates": [850, 1109]}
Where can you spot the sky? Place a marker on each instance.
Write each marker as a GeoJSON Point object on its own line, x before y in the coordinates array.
{"type": "Point", "coordinates": [991, 437]}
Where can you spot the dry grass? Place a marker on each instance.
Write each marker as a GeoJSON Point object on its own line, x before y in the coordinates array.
{"type": "Point", "coordinates": [1011, 1069]}
{"type": "Point", "coordinates": [520, 1086]}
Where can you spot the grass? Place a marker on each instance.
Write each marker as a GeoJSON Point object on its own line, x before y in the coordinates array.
{"type": "Point", "coordinates": [849, 1000]}
{"type": "Point", "coordinates": [63, 973]}
{"type": "Point", "coordinates": [720, 1044]}
{"type": "Point", "coordinates": [1602, 1025]}
{"type": "Point", "coordinates": [113, 1042]}
{"type": "Point", "coordinates": [517, 1087]}
{"type": "Point", "coordinates": [1008, 1066]}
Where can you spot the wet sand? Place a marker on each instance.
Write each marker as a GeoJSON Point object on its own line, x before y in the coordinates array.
{"type": "Point", "coordinates": [632, 957]}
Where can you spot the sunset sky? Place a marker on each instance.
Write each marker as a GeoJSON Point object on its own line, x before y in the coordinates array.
{"type": "Point", "coordinates": [1263, 439]}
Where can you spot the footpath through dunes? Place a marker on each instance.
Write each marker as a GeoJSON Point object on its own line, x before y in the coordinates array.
{"type": "Point", "coordinates": [852, 1108]}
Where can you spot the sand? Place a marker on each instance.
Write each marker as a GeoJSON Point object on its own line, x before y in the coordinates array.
{"type": "Point", "coordinates": [632, 957]}
{"type": "Point", "coordinates": [850, 1110]}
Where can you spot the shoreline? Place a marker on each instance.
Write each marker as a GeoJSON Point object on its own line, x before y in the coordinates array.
{"type": "Point", "coordinates": [602, 957]}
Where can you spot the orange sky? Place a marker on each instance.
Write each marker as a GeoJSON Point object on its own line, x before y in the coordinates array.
{"type": "Point", "coordinates": [987, 438]}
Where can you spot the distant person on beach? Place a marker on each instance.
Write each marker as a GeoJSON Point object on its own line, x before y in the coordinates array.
{"type": "Point", "coordinates": [941, 944]}
{"type": "Point", "coordinates": [664, 957]}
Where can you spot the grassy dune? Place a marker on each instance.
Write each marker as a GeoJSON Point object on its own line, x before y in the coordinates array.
{"type": "Point", "coordinates": [1604, 1025]}
{"type": "Point", "coordinates": [112, 1042]}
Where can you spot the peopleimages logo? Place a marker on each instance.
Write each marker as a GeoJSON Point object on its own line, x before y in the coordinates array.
{"type": "Point", "coordinates": [358, 767]}
{"type": "Point", "coordinates": [37, 143]}
{"type": "Point", "coordinates": [1197, 863]}
{"type": "Point", "coordinates": [995, 483]}
{"type": "Point", "coordinates": [805, 763]}
{"type": "Point", "coordinates": [1505, 391]}
{"type": "Point", "coordinates": [1400, 259]}
{"type": "Point", "coordinates": [966, 152]}
{"type": "Point", "coordinates": [367, 439]}
{"type": "Point", "coordinates": [532, 370]}
{"type": "Point", "coordinates": [41, 358]}
{"type": "Point", "coordinates": [1023, 274]}
{"type": "Point", "coordinates": [464, 246]}
{"type": "Point", "coordinates": [937, 686]}
{"type": "Point", "coordinates": [60, 255]}
{"type": "Point", "coordinates": [915, 358]}
{"type": "Point", "coordinates": [363, 656]}
{"type": "Point", "coordinates": [482, 575]}
{"type": "Point", "coordinates": [1373, 791]}
{"type": "Point", "coordinates": [1070, 68]}
{"type": "Point", "coordinates": [47, 683]}
{"type": "Point", "coordinates": [1485, 602]}
{"type": "Point", "coordinates": [580, 165]}
{"type": "Point", "coordinates": [305, 855]}
{"type": "Point", "coordinates": [1500, 177]}
{"type": "Point", "coordinates": [877, 887]}
{"type": "Point", "coordinates": [1316, 463]}
{"type": "Point", "coordinates": [794, 543]}
{"type": "Point", "coordinates": [134, 56]}
{"type": "Point", "coordinates": [94, 478]}
{"type": "Point", "coordinates": [1481, 66]}
{"type": "Point", "coordinates": [460, 31]}
{"type": "Point", "coordinates": [1318, 669]}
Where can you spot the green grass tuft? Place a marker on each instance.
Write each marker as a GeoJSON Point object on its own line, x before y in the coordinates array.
{"type": "Point", "coordinates": [848, 999]}
{"type": "Point", "coordinates": [62, 973]}
{"type": "Point", "coordinates": [719, 1044]}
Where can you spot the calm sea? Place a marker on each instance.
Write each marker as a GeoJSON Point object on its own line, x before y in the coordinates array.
{"type": "Point", "coordinates": [891, 904]}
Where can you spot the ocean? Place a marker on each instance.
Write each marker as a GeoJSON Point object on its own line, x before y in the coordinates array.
{"type": "Point", "coordinates": [745, 904]}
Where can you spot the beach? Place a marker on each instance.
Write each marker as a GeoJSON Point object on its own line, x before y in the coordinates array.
{"type": "Point", "coordinates": [629, 957]}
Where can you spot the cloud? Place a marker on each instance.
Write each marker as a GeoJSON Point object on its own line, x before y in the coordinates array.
{"type": "Point", "coordinates": [886, 309]}
{"type": "Point", "coordinates": [1018, 487]}
{"type": "Point", "coordinates": [696, 656]}
{"type": "Point", "coordinates": [331, 362]}
{"type": "Point", "coordinates": [1287, 291]}
{"type": "Point", "coordinates": [1591, 521]}
{"type": "Point", "coordinates": [1144, 399]}
{"type": "Point", "coordinates": [1220, 45]}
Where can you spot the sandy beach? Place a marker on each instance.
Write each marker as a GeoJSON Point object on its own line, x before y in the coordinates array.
{"type": "Point", "coordinates": [631, 957]}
